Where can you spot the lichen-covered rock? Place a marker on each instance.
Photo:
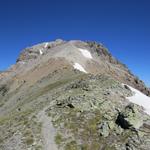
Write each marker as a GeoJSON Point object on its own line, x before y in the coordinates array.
{"type": "Point", "coordinates": [130, 118]}
{"type": "Point", "coordinates": [104, 129]}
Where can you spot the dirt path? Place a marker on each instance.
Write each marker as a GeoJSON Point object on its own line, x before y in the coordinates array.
{"type": "Point", "coordinates": [48, 132]}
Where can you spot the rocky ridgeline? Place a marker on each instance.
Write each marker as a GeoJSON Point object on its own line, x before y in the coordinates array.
{"type": "Point", "coordinates": [46, 102]}
{"type": "Point", "coordinates": [35, 51]}
{"type": "Point", "coordinates": [84, 119]}
{"type": "Point", "coordinates": [118, 70]}
{"type": "Point", "coordinates": [129, 78]}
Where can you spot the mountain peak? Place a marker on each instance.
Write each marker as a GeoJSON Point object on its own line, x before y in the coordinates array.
{"type": "Point", "coordinates": [92, 57]}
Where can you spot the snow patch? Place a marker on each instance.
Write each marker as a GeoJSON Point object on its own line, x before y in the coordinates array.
{"type": "Point", "coordinates": [22, 62]}
{"type": "Point", "coordinates": [140, 99]}
{"type": "Point", "coordinates": [46, 45]}
{"type": "Point", "coordinates": [86, 53]}
{"type": "Point", "coordinates": [41, 52]}
{"type": "Point", "coordinates": [79, 67]}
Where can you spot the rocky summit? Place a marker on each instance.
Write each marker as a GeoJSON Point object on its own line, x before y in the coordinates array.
{"type": "Point", "coordinates": [72, 95]}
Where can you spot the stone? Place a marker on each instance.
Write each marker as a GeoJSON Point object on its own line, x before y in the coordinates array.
{"type": "Point", "coordinates": [108, 117]}
{"type": "Point", "coordinates": [104, 129]}
{"type": "Point", "coordinates": [111, 124]}
{"type": "Point", "coordinates": [130, 118]}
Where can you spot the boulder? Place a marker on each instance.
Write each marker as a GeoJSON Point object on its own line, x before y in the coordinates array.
{"type": "Point", "coordinates": [104, 129]}
{"type": "Point", "coordinates": [130, 118]}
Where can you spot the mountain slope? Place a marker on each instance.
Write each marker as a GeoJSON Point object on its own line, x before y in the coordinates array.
{"type": "Point", "coordinates": [74, 90]}
{"type": "Point", "coordinates": [100, 61]}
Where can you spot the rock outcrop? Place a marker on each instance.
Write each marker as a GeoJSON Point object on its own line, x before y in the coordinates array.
{"type": "Point", "coordinates": [130, 118]}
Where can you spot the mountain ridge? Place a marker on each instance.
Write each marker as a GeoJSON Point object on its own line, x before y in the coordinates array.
{"type": "Point", "coordinates": [72, 95]}
{"type": "Point", "coordinates": [112, 65]}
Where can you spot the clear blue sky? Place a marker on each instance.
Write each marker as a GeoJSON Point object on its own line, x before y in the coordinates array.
{"type": "Point", "coordinates": [121, 25]}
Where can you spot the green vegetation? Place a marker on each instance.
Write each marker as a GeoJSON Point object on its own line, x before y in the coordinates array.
{"type": "Point", "coordinates": [29, 140]}
{"type": "Point", "coordinates": [71, 146]}
{"type": "Point", "coordinates": [22, 122]}
{"type": "Point", "coordinates": [58, 139]}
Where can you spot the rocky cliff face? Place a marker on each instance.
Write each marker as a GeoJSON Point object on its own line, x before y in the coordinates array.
{"type": "Point", "coordinates": [69, 95]}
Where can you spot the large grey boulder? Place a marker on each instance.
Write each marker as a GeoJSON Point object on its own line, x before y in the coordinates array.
{"type": "Point", "coordinates": [130, 118]}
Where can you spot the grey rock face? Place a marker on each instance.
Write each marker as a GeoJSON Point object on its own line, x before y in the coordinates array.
{"type": "Point", "coordinates": [104, 129]}
{"type": "Point", "coordinates": [130, 118]}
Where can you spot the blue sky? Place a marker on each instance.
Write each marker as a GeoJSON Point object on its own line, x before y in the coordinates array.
{"type": "Point", "coordinates": [121, 25]}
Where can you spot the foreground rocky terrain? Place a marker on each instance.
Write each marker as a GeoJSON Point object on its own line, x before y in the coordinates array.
{"type": "Point", "coordinates": [71, 95]}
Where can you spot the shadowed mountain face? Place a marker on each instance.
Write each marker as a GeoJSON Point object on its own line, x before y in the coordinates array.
{"type": "Point", "coordinates": [76, 91]}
